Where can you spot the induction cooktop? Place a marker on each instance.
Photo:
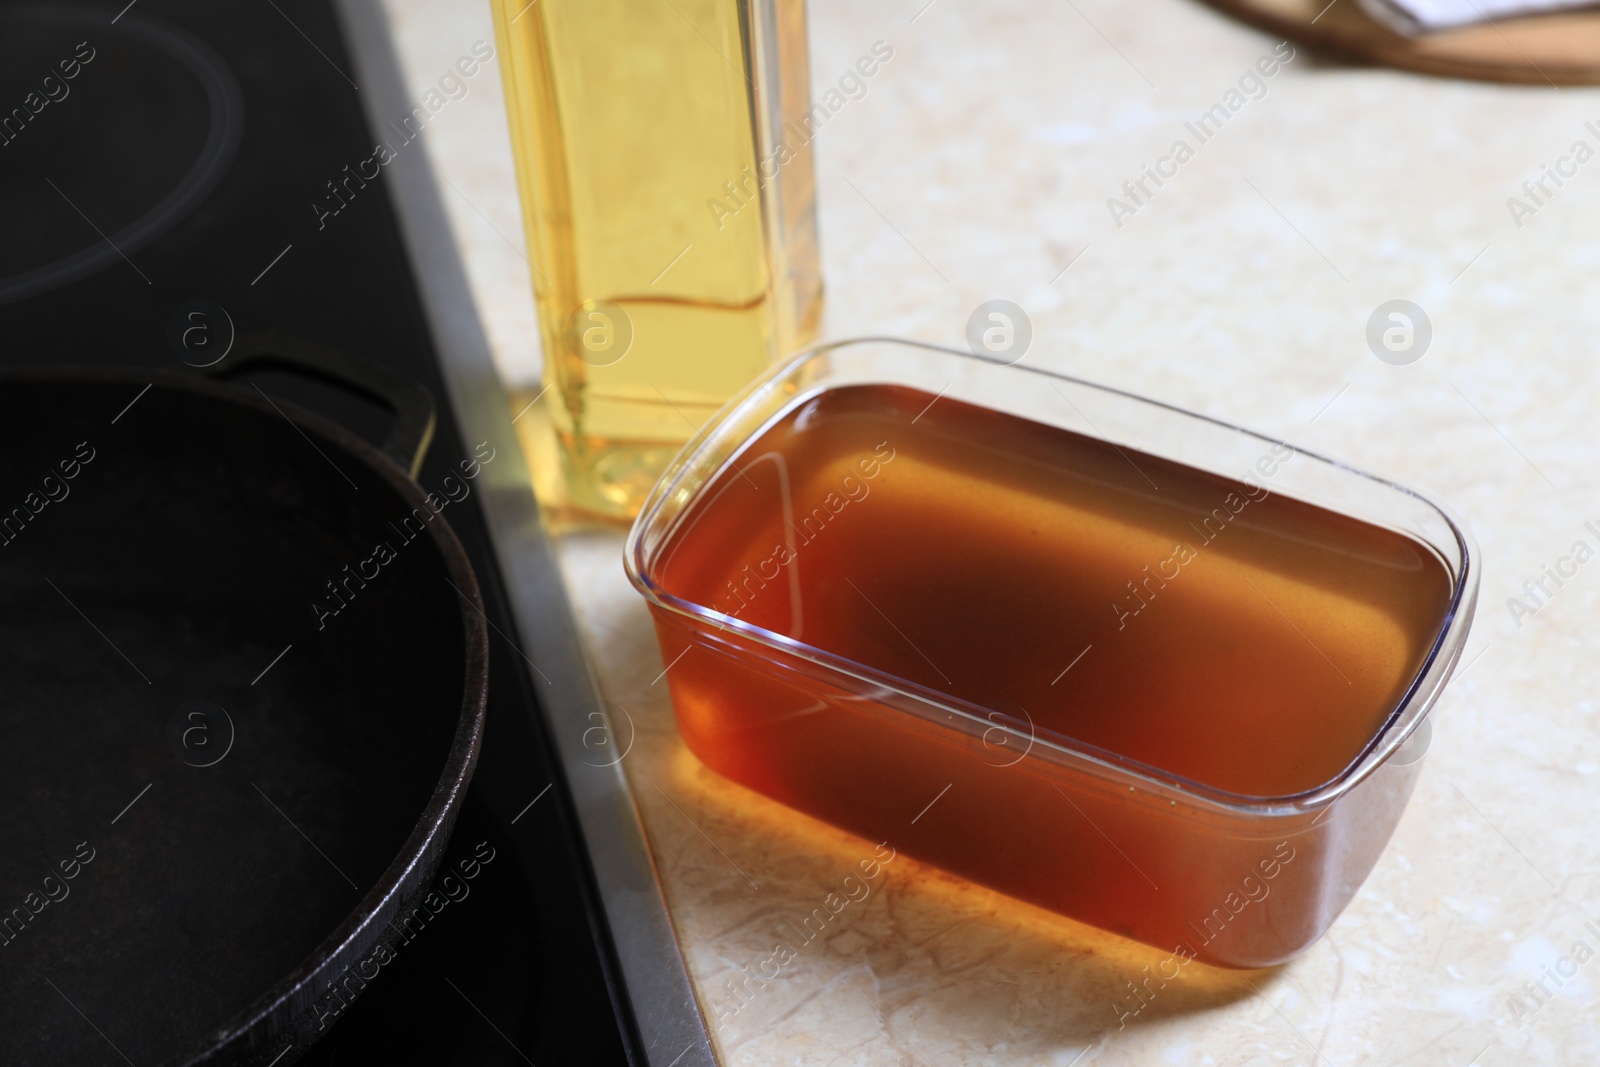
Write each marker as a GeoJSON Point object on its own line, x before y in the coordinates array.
{"type": "Point", "coordinates": [177, 173]}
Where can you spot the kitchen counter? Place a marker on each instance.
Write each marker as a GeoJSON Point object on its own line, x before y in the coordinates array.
{"type": "Point", "coordinates": [978, 165]}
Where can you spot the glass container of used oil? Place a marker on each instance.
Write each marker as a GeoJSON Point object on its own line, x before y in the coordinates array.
{"type": "Point", "coordinates": [665, 169]}
{"type": "Point", "coordinates": [1160, 674]}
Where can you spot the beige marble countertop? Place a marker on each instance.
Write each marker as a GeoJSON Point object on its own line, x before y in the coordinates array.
{"type": "Point", "coordinates": [979, 165]}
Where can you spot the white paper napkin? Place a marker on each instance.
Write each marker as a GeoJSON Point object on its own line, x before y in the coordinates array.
{"type": "Point", "coordinates": [1424, 16]}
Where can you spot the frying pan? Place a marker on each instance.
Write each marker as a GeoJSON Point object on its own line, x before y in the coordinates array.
{"type": "Point", "coordinates": [244, 665]}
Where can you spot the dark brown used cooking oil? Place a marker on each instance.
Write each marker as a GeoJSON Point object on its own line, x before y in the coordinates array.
{"type": "Point", "coordinates": [1208, 627]}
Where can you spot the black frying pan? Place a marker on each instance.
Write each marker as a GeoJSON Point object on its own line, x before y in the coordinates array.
{"type": "Point", "coordinates": [224, 784]}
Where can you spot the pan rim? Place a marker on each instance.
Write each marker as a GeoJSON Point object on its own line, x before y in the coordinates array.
{"type": "Point", "coordinates": [291, 999]}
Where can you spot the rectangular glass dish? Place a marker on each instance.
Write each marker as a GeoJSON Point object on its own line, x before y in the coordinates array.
{"type": "Point", "coordinates": [1139, 667]}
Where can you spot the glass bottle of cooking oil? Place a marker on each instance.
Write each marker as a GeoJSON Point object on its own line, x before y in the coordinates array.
{"type": "Point", "coordinates": [664, 162]}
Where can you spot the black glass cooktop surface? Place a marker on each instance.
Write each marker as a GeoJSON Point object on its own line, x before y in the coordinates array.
{"type": "Point", "coordinates": [166, 172]}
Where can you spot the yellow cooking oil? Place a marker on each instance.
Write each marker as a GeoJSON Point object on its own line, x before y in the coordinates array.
{"type": "Point", "coordinates": [668, 193]}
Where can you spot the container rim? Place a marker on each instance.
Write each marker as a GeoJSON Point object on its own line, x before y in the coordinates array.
{"type": "Point", "coordinates": [1397, 728]}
